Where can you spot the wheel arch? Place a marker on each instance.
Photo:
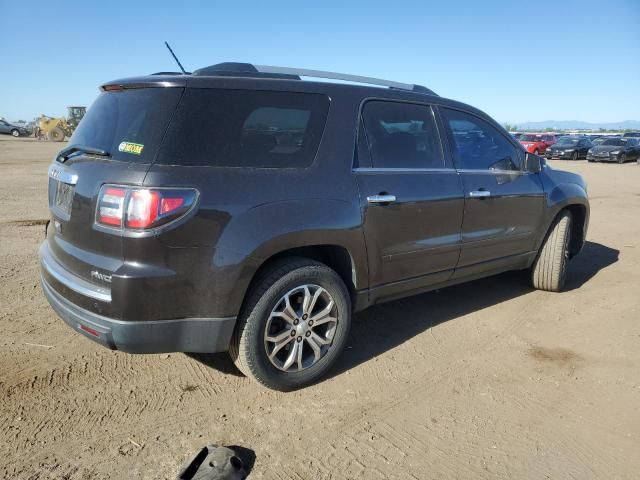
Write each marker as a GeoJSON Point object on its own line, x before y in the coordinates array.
{"type": "Point", "coordinates": [336, 257]}
{"type": "Point", "coordinates": [573, 198]}
{"type": "Point", "coordinates": [578, 227]}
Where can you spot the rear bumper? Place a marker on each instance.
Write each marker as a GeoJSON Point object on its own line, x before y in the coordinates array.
{"type": "Point", "coordinates": [158, 336]}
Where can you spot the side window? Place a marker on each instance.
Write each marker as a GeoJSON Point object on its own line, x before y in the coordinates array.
{"type": "Point", "coordinates": [478, 145]}
{"type": "Point", "coordinates": [245, 128]}
{"type": "Point", "coordinates": [402, 135]}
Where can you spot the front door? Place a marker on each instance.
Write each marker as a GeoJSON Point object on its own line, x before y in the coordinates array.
{"type": "Point", "coordinates": [412, 200]}
{"type": "Point", "coordinates": [503, 203]}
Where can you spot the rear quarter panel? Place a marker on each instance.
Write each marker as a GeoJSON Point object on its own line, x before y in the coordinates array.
{"type": "Point", "coordinates": [247, 215]}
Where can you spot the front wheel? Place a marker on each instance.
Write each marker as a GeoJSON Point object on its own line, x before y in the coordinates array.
{"type": "Point", "coordinates": [15, 133]}
{"type": "Point", "coordinates": [536, 152]}
{"type": "Point", "coordinates": [622, 159]}
{"type": "Point", "coordinates": [550, 268]}
{"type": "Point", "coordinates": [293, 326]}
{"type": "Point", "coordinates": [575, 155]}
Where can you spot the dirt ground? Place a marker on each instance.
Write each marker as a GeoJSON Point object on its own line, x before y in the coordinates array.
{"type": "Point", "coordinates": [485, 380]}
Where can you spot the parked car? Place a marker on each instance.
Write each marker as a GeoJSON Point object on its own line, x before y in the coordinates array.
{"type": "Point", "coordinates": [12, 129]}
{"type": "Point", "coordinates": [615, 150]}
{"type": "Point", "coordinates": [227, 210]}
{"type": "Point", "coordinates": [569, 148]}
{"type": "Point", "coordinates": [534, 143]}
{"type": "Point", "coordinates": [631, 135]}
{"type": "Point", "coordinates": [516, 135]}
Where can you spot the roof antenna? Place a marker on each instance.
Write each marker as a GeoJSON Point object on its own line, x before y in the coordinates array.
{"type": "Point", "coordinates": [176, 59]}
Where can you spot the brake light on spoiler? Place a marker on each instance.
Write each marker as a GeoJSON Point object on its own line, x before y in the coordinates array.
{"type": "Point", "coordinates": [132, 208]}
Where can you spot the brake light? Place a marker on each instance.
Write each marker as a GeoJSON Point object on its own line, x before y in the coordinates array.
{"type": "Point", "coordinates": [142, 208]}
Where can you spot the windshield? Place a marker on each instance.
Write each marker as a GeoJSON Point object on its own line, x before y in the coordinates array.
{"type": "Point", "coordinates": [615, 142]}
{"type": "Point", "coordinates": [530, 138]}
{"type": "Point", "coordinates": [128, 124]}
{"type": "Point", "coordinates": [568, 141]}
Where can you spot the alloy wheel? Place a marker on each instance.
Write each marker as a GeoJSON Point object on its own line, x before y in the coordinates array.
{"type": "Point", "coordinates": [300, 328]}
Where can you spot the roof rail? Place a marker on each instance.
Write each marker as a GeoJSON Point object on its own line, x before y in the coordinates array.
{"type": "Point", "coordinates": [300, 72]}
{"type": "Point", "coordinates": [287, 73]}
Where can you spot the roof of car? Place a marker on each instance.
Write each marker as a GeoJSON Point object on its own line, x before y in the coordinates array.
{"type": "Point", "coordinates": [266, 72]}
{"type": "Point", "coordinates": [247, 76]}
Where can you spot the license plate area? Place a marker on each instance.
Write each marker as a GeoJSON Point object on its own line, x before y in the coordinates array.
{"type": "Point", "coordinates": [63, 198]}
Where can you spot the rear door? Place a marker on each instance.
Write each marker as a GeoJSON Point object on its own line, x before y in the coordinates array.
{"type": "Point", "coordinates": [503, 203]}
{"type": "Point", "coordinates": [411, 198]}
{"type": "Point", "coordinates": [128, 125]}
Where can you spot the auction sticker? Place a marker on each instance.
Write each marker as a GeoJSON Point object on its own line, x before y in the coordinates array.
{"type": "Point", "coordinates": [128, 147]}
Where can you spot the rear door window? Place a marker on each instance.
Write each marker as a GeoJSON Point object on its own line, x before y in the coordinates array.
{"type": "Point", "coordinates": [128, 124]}
{"type": "Point", "coordinates": [245, 128]}
{"type": "Point", "coordinates": [402, 135]}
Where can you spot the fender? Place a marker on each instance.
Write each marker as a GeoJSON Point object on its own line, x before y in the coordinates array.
{"type": "Point", "coordinates": [561, 196]}
{"type": "Point", "coordinates": [253, 237]}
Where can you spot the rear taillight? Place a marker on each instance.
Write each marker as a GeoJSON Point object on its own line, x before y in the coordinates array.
{"type": "Point", "coordinates": [142, 208]}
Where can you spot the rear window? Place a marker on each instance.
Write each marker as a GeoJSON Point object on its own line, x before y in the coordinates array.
{"type": "Point", "coordinates": [245, 128]}
{"type": "Point", "coordinates": [128, 124]}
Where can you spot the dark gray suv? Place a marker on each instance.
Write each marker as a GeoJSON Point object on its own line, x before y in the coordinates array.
{"type": "Point", "coordinates": [242, 208]}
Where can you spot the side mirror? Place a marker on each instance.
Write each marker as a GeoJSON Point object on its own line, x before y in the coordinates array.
{"type": "Point", "coordinates": [532, 163]}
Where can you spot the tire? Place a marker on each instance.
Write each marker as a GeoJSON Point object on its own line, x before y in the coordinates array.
{"type": "Point", "coordinates": [575, 155]}
{"type": "Point", "coordinates": [536, 152]}
{"type": "Point", "coordinates": [550, 267]}
{"type": "Point", "coordinates": [56, 134]}
{"type": "Point", "coordinates": [250, 346]}
{"type": "Point", "coordinates": [623, 158]}
{"type": "Point", "coordinates": [15, 133]}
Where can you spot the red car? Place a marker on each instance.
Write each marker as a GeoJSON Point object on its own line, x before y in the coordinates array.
{"type": "Point", "coordinates": [537, 142]}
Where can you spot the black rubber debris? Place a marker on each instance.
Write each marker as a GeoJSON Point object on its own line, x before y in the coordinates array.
{"type": "Point", "coordinates": [215, 463]}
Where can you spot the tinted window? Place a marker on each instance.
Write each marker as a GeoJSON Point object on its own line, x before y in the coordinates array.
{"type": "Point", "coordinates": [478, 145]}
{"type": "Point", "coordinates": [567, 141]}
{"type": "Point", "coordinates": [128, 124]}
{"type": "Point", "coordinates": [402, 135]}
{"type": "Point", "coordinates": [615, 142]}
{"type": "Point", "coordinates": [245, 128]}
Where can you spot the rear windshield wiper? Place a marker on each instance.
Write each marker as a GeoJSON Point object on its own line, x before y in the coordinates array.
{"type": "Point", "coordinates": [66, 152]}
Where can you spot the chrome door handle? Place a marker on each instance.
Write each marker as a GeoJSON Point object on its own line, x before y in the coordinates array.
{"type": "Point", "coordinates": [480, 194]}
{"type": "Point", "coordinates": [381, 198]}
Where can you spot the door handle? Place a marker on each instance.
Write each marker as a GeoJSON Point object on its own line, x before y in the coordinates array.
{"type": "Point", "coordinates": [480, 193]}
{"type": "Point", "coordinates": [381, 199]}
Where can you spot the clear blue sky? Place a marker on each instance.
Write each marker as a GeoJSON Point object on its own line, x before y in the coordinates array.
{"type": "Point", "coordinates": [516, 60]}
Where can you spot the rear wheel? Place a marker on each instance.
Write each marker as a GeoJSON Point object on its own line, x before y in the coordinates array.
{"type": "Point", "coordinates": [293, 326]}
{"type": "Point", "coordinates": [550, 268]}
{"type": "Point", "coordinates": [536, 152]}
{"type": "Point", "coordinates": [56, 134]}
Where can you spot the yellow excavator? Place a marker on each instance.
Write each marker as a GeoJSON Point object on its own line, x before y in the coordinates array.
{"type": "Point", "coordinates": [57, 129]}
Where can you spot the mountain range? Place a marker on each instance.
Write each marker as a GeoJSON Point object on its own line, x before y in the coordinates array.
{"type": "Point", "coordinates": [578, 125]}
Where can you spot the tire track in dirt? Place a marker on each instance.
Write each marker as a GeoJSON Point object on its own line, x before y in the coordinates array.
{"type": "Point", "coordinates": [112, 369]}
